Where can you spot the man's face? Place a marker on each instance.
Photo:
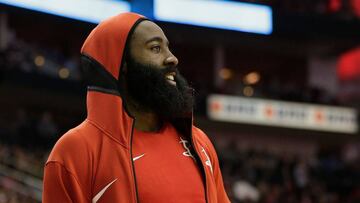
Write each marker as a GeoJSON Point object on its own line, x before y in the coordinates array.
{"type": "Point", "coordinates": [151, 74]}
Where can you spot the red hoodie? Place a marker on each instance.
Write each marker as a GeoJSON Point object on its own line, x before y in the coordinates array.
{"type": "Point", "coordinates": [93, 161]}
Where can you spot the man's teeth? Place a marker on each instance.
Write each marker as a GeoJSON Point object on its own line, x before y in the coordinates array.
{"type": "Point", "coordinates": [170, 77]}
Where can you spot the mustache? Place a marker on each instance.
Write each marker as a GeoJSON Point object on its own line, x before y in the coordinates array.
{"type": "Point", "coordinates": [170, 69]}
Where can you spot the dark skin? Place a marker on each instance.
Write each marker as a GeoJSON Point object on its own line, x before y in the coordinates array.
{"type": "Point", "coordinates": [149, 45]}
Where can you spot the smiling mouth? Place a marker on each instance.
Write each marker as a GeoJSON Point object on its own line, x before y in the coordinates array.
{"type": "Point", "coordinates": [170, 78]}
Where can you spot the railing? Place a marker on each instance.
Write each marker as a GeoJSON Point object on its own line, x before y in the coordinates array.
{"type": "Point", "coordinates": [20, 182]}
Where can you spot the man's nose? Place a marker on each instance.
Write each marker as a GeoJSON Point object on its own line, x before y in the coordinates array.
{"type": "Point", "coordinates": [171, 60]}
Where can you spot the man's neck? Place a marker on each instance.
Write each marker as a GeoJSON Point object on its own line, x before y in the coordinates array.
{"type": "Point", "coordinates": [147, 121]}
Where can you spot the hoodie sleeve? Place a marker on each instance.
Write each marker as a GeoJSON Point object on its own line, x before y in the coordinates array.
{"type": "Point", "coordinates": [60, 186]}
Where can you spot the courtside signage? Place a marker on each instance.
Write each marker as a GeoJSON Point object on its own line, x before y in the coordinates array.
{"type": "Point", "coordinates": [282, 114]}
{"type": "Point", "coordinates": [244, 17]}
{"type": "Point", "coordinates": [92, 11]}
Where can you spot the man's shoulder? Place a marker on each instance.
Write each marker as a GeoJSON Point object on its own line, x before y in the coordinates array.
{"type": "Point", "coordinates": [201, 136]}
{"type": "Point", "coordinates": [198, 132]}
{"type": "Point", "coordinates": [73, 144]}
{"type": "Point", "coordinates": [73, 154]}
{"type": "Point", "coordinates": [74, 136]}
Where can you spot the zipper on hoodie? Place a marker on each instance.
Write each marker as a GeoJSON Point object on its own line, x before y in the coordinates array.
{"type": "Point", "coordinates": [132, 162]}
{"type": "Point", "coordinates": [196, 151]}
{"type": "Point", "coordinates": [201, 165]}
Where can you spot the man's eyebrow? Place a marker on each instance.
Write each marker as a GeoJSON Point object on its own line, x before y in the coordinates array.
{"type": "Point", "coordinates": [159, 39]}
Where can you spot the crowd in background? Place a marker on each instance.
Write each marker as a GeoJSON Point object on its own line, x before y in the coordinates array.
{"type": "Point", "coordinates": [32, 58]}
{"type": "Point", "coordinates": [25, 142]}
{"type": "Point", "coordinates": [250, 175]}
{"type": "Point", "coordinates": [8, 195]}
{"type": "Point", "coordinates": [30, 131]}
{"type": "Point", "coordinates": [329, 176]}
{"type": "Point", "coordinates": [274, 88]}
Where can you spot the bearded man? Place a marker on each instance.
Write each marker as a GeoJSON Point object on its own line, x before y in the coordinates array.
{"type": "Point", "coordinates": [138, 142]}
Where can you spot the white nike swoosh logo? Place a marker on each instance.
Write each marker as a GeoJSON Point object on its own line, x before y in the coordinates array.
{"type": "Point", "coordinates": [98, 195]}
{"type": "Point", "coordinates": [138, 157]}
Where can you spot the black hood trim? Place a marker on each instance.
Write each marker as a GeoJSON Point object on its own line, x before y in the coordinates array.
{"type": "Point", "coordinates": [103, 90]}
{"type": "Point", "coordinates": [95, 74]}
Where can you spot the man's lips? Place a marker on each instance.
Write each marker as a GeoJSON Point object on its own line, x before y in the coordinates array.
{"type": "Point", "coordinates": [170, 77]}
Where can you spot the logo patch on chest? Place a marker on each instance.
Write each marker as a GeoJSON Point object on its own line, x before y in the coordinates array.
{"type": "Point", "coordinates": [186, 146]}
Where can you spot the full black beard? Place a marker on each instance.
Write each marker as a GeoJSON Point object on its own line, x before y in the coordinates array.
{"type": "Point", "coordinates": [147, 85]}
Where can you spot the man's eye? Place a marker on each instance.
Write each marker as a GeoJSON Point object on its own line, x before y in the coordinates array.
{"type": "Point", "coordinates": [155, 49]}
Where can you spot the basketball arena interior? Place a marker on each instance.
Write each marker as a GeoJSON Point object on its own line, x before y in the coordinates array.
{"type": "Point", "coordinates": [277, 87]}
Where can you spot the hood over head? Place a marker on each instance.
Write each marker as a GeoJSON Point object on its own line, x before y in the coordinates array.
{"type": "Point", "coordinates": [102, 58]}
{"type": "Point", "coordinates": [103, 50]}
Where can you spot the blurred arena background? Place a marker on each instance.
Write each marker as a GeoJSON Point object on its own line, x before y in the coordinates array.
{"type": "Point", "coordinates": [277, 85]}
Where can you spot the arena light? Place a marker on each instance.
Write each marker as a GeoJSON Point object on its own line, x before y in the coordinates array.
{"type": "Point", "coordinates": [225, 73]}
{"type": "Point", "coordinates": [252, 78]}
{"type": "Point", "coordinates": [39, 61]}
{"type": "Point", "coordinates": [64, 73]}
{"type": "Point", "coordinates": [229, 15]}
{"type": "Point", "coordinates": [92, 11]}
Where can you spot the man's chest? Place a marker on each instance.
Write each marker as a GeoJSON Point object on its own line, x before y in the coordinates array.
{"type": "Point", "coordinates": [166, 170]}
